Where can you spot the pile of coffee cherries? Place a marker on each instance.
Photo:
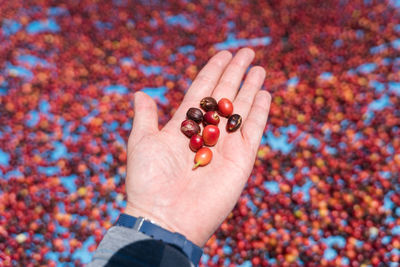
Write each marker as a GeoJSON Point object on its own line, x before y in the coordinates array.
{"type": "Point", "coordinates": [210, 119]}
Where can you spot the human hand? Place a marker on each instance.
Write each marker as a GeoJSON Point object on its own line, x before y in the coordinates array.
{"type": "Point", "coordinates": [160, 183]}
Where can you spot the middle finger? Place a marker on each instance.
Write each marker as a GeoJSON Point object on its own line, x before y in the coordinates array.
{"type": "Point", "coordinates": [233, 75]}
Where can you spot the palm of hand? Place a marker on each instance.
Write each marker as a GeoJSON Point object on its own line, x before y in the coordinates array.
{"type": "Point", "coordinates": [162, 186]}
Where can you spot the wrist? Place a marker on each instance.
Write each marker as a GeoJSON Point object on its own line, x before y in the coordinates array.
{"type": "Point", "coordinates": [138, 212]}
{"type": "Point", "coordinates": [150, 228]}
{"type": "Point", "coordinates": [135, 212]}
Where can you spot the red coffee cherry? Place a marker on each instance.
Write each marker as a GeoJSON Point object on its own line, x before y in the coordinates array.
{"type": "Point", "coordinates": [203, 157]}
{"type": "Point", "coordinates": [210, 135]}
{"type": "Point", "coordinates": [225, 107]}
{"type": "Point", "coordinates": [211, 117]}
{"type": "Point", "coordinates": [196, 142]}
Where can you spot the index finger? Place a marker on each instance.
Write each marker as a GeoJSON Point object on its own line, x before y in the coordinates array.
{"type": "Point", "coordinates": [208, 77]}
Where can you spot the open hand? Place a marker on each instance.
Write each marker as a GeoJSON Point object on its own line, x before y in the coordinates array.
{"type": "Point", "coordinates": [161, 185]}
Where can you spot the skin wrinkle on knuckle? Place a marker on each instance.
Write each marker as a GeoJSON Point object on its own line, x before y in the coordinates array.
{"type": "Point", "coordinates": [145, 108]}
{"type": "Point", "coordinates": [255, 79]}
{"type": "Point", "coordinates": [238, 64]}
{"type": "Point", "coordinates": [247, 139]}
{"type": "Point", "coordinates": [252, 82]}
{"type": "Point", "coordinates": [259, 108]}
{"type": "Point", "coordinates": [202, 79]}
{"type": "Point", "coordinates": [263, 97]}
{"type": "Point", "coordinates": [219, 62]}
{"type": "Point", "coordinates": [226, 84]}
{"type": "Point", "coordinates": [257, 71]}
{"type": "Point", "coordinates": [257, 122]}
{"type": "Point", "coordinates": [243, 101]}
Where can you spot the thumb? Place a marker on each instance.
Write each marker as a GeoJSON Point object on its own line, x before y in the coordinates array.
{"type": "Point", "coordinates": [145, 119]}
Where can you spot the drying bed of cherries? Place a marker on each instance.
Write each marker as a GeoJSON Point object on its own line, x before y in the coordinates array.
{"type": "Point", "coordinates": [328, 197]}
{"type": "Point", "coordinates": [191, 127]}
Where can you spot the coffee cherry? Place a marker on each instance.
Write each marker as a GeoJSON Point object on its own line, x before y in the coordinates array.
{"type": "Point", "coordinates": [210, 135]}
{"type": "Point", "coordinates": [196, 142]}
{"type": "Point", "coordinates": [208, 104]}
{"type": "Point", "coordinates": [203, 157]}
{"type": "Point", "coordinates": [225, 107]}
{"type": "Point", "coordinates": [233, 123]}
{"type": "Point", "coordinates": [189, 128]}
{"type": "Point", "coordinates": [195, 114]}
{"type": "Point", "coordinates": [211, 117]}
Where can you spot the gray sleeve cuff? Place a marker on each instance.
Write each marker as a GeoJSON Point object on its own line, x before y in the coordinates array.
{"type": "Point", "coordinates": [116, 238]}
{"type": "Point", "coordinates": [118, 249]}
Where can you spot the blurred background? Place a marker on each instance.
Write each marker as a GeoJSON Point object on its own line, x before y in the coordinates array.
{"type": "Point", "coordinates": [325, 189]}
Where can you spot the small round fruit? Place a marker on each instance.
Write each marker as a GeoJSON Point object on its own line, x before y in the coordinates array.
{"type": "Point", "coordinates": [189, 128]}
{"type": "Point", "coordinates": [209, 104]}
{"type": "Point", "coordinates": [195, 114]}
{"type": "Point", "coordinates": [211, 117]}
{"type": "Point", "coordinates": [225, 107]}
{"type": "Point", "coordinates": [196, 142]}
{"type": "Point", "coordinates": [210, 135]}
{"type": "Point", "coordinates": [233, 123]}
{"type": "Point", "coordinates": [203, 157]}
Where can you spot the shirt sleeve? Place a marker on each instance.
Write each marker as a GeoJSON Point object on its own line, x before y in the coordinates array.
{"type": "Point", "coordinates": [122, 246]}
